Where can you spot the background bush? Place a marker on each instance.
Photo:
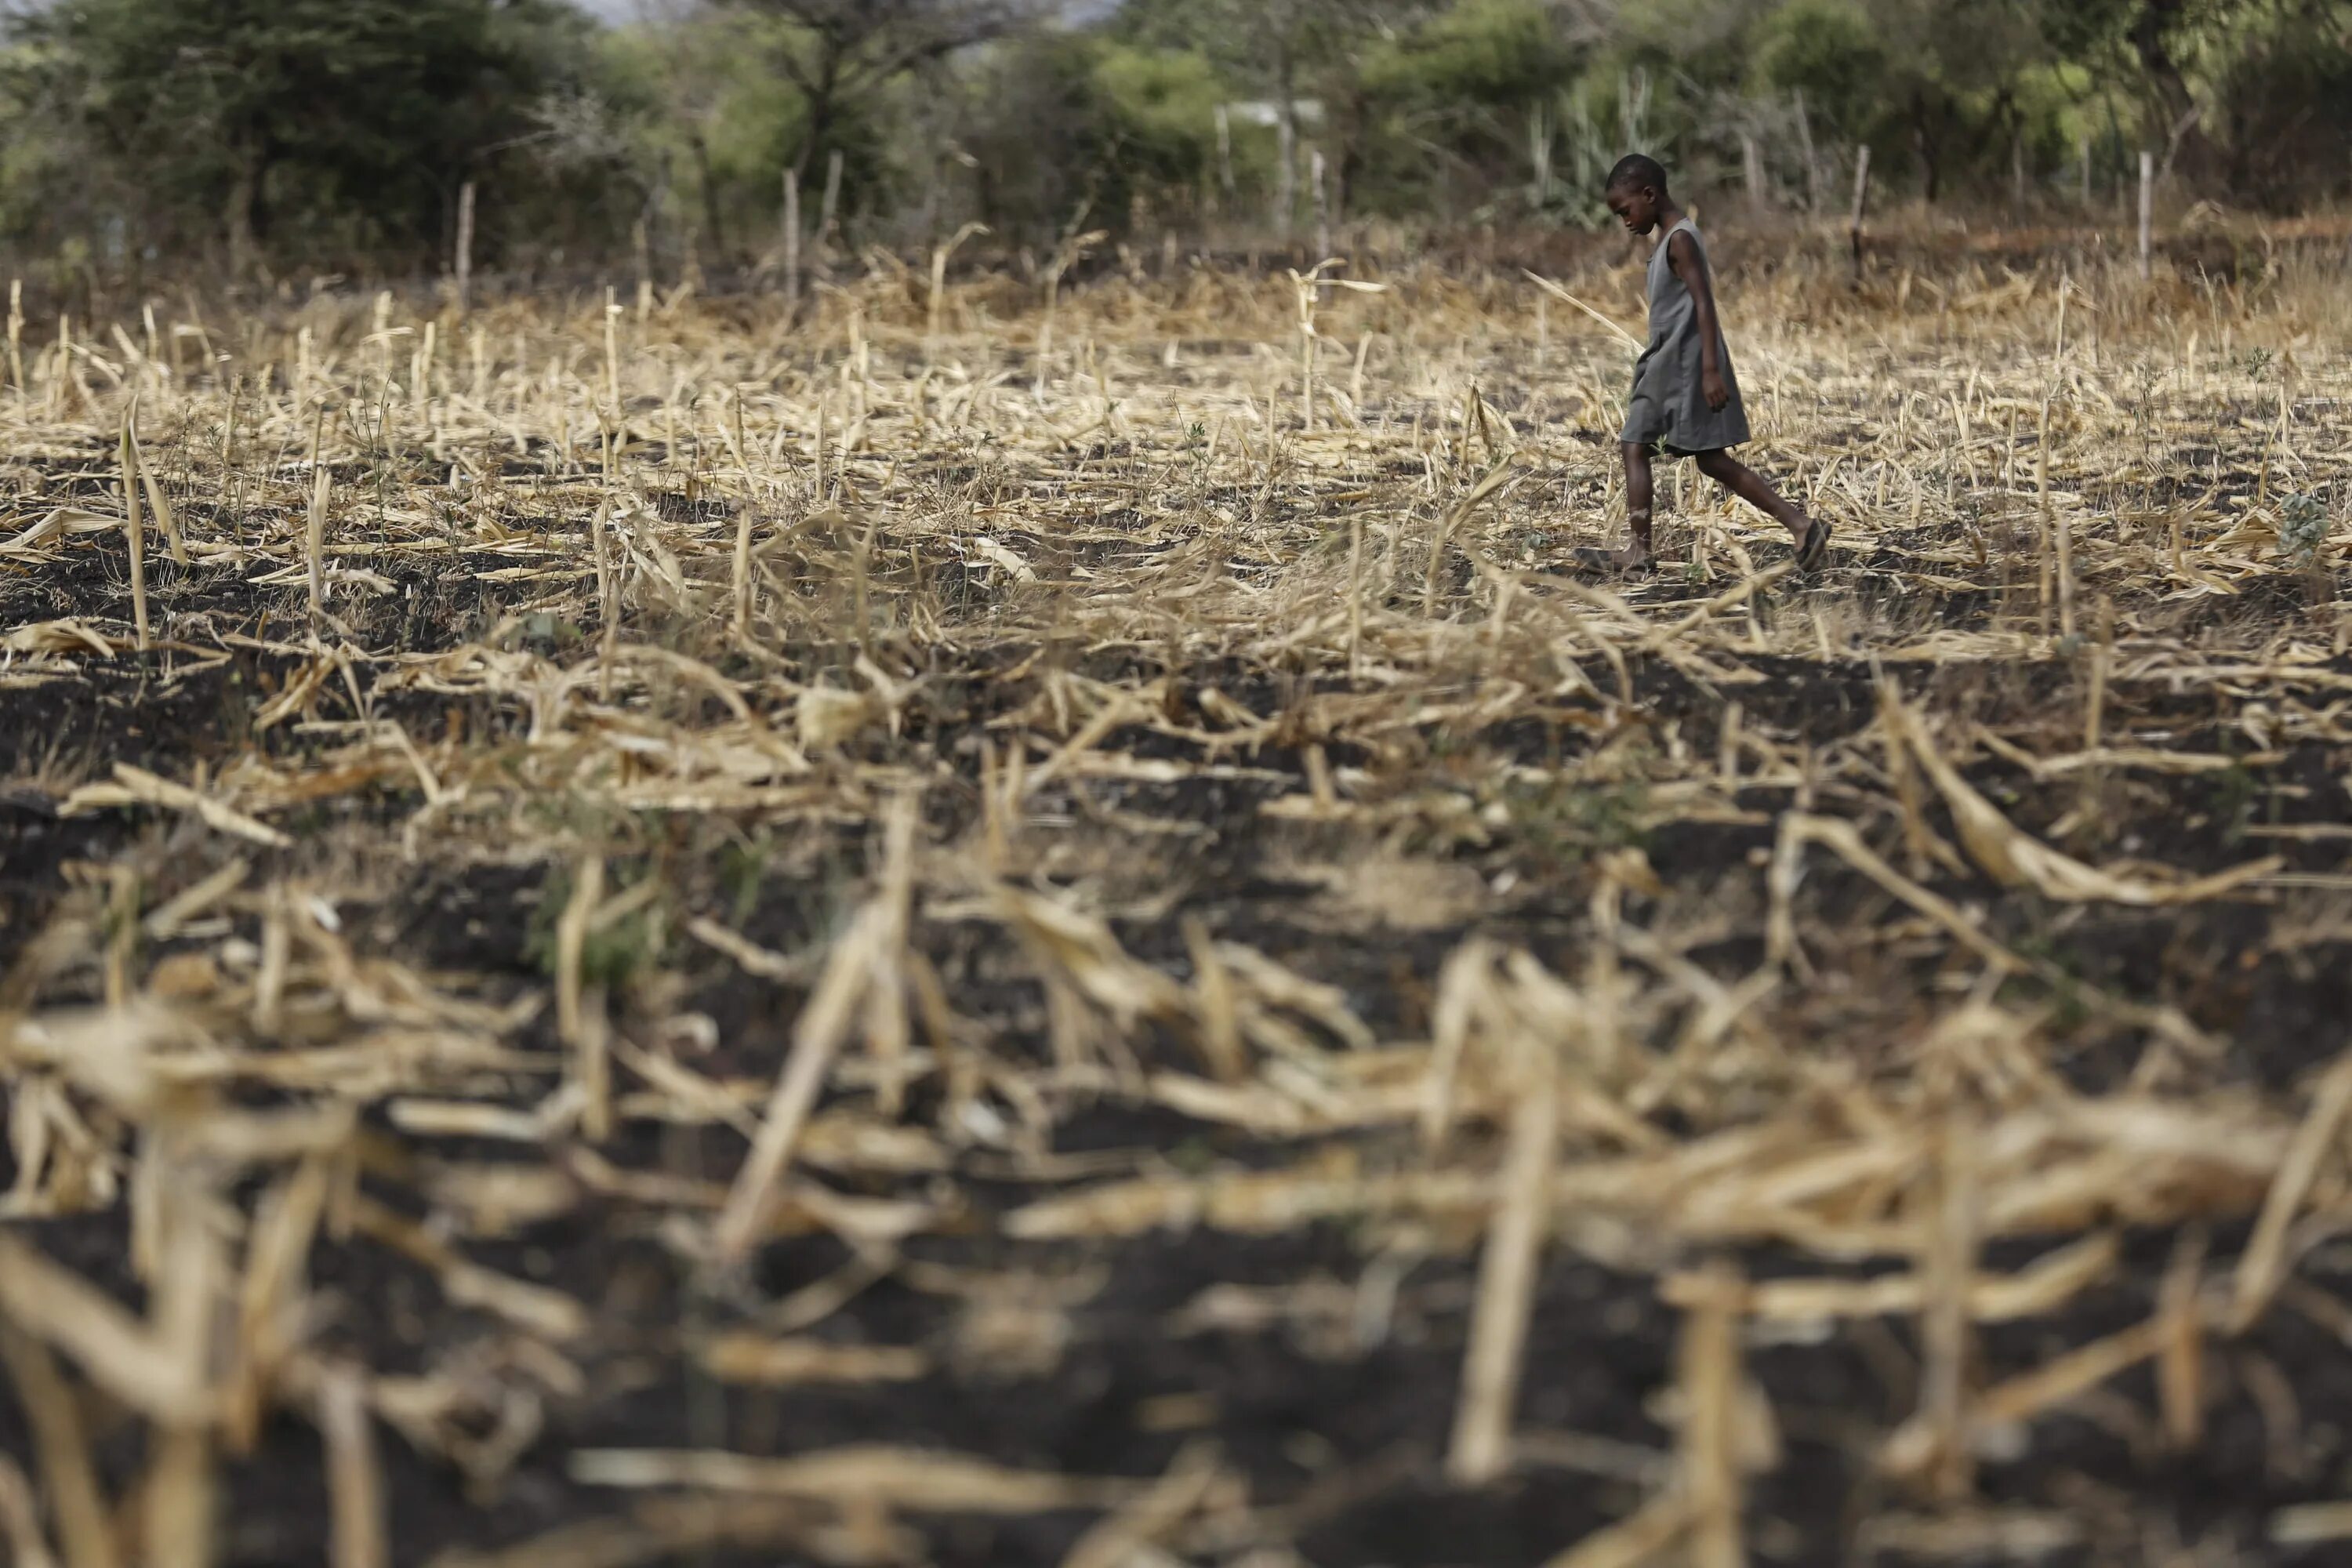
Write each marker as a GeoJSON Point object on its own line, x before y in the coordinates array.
{"type": "Point", "coordinates": [276, 137]}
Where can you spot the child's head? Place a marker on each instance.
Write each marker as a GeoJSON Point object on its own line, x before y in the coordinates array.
{"type": "Point", "coordinates": [1636, 190]}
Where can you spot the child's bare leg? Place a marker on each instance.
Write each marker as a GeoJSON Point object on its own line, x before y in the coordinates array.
{"type": "Point", "coordinates": [1638, 501]}
{"type": "Point", "coordinates": [1757, 491]}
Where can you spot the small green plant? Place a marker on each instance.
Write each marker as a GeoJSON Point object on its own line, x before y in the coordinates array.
{"type": "Point", "coordinates": [573, 815]}
{"type": "Point", "coordinates": [2235, 792]}
{"type": "Point", "coordinates": [743, 867]}
{"type": "Point", "coordinates": [1567, 819]}
{"type": "Point", "coordinates": [2060, 983]}
{"type": "Point", "coordinates": [2302, 528]}
{"type": "Point", "coordinates": [1194, 1156]}
{"type": "Point", "coordinates": [611, 955]}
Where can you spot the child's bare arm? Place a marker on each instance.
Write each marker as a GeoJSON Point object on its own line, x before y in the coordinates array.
{"type": "Point", "coordinates": [1683, 257]}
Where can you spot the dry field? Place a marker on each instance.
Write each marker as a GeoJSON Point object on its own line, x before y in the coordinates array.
{"type": "Point", "coordinates": [997, 932]}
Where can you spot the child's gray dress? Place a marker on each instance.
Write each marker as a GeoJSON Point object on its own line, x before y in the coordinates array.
{"type": "Point", "coordinates": [1668, 408]}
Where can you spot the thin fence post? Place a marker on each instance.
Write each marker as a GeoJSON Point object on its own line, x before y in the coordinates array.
{"type": "Point", "coordinates": [1805, 145]}
{"type": "Point", "coordinates": [466, 248]}
{"type": "Point", "coordinates": [1861, 207]}
{"type": "Point", "coordinates": [1317, 172]}
{"type": "Point", "coordinates": [792, 240]}
{"type": "Point", "coordinates": [2083, 148]}
{"type": "Point", "coordinates": [2146, 214]}
{"type": "Point", "coordinates": [1751, 166]}
{"type": "Point", "coordinates": [1286, 175]}
{"type": "Point", "coordinates": [829, 212]}
{"type": "Point", "coordinates": [641, 242]}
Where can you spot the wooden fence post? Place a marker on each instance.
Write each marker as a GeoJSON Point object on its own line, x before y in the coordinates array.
{"type": "Point", "coordinates": [641, 240]}
{"type": "Point", "coordinates": [830, 212]}
{"type": "Point", "coordinates": [1805, 145]}
{"type": "Point", "coordinates": [1286, 177]}
{"type": "Point", "coordinates": [791, 241]}
{"type": "Point", "coordinates": [1861, 206]}
{"type": "Point", "coordinates": [2146, 214]}
{"type": "Point", "coordinates": [1317, 172]}
{"type": "Point", "coordinates": [466, 248]}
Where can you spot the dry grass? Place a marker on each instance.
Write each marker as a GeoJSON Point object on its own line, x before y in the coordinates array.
{"type": "Point", "coordinates": [906, 748]}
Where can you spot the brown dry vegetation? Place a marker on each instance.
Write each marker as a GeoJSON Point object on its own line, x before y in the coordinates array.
{"type": "Point", "coordinates": [979, 934]}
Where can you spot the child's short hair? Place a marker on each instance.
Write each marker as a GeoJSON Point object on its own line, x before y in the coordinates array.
{"type": "Point", "coordinates": [1635, 171]}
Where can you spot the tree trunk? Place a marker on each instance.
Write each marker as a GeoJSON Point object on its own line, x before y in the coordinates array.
{"type": "Point", "coordinates": [828, 213]}
{"type": "Point", "coordinates": [1317, 172]}
{"type": "Point", "coordinates": [1285, 173]}
{"type": "Point", "coordinates": [712, 223]}
{"type": "Point", "coordinates": [2170, 87]}
{"type": "Point", "coordinates": [929, 222]}
{"type": "Point", "coordinates": [1930, 156]}
{"type": "Point", "coordinates": [820, 119]}
{"type": "Point", "coordinates": [1285, 140]}
{"type": "Point", "coordinates": [1538, 156]}
{"type": "Point", "coordinates": [245, 218]}
{"type": "Point", "coordinates": [1351, 169]}
{"type": "Point", "coordinates": [238, 222]}
{"type": "Point", "coordinates": [1805, 145]}
{"type": "Point", "coordinates": [1351, 134]}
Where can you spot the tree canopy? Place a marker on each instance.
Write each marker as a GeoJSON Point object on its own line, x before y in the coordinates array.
{"type": "Point", "coordinates": [367, 113]}
{"type": "Point", "coordinates": [331, 132]}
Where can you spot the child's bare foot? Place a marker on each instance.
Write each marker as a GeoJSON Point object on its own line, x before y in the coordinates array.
{"type": "Point", "coordinates": [1625, 563]}
{"type": "Point", "coordinates": [1812, 543]}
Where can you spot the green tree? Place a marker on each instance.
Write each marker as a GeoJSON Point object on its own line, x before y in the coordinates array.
{"type": "Point", "coordinates": [1283, 52]}
{"type": "Point", "coordinates": [844, 53]}
{"type": "Point", "coordinates": [1472, 91]}
{"type": "Point", "coordinates": [701, 88]}
{"type": "Point", "coordinates": [366, 114]}
{"type": "Point", "coordinates": [2281, 105]}
{"type": "Point", "coordinates": [2142, 43]}
{"type": "Point", "coordinates": [1831, 51]}
{"type": "Point", "coordinates": [1963, 82]}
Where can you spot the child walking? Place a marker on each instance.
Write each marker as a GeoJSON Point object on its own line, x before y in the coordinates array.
{"type": "Point", "coordinates": [1686, 399]}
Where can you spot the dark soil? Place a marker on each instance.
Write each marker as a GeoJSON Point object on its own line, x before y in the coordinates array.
{"type": "Point", "coordinates": [1330, 1401]}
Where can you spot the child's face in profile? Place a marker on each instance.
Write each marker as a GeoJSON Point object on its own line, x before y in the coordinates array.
{"type": "Point", "coordinates": [1637, 208]}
